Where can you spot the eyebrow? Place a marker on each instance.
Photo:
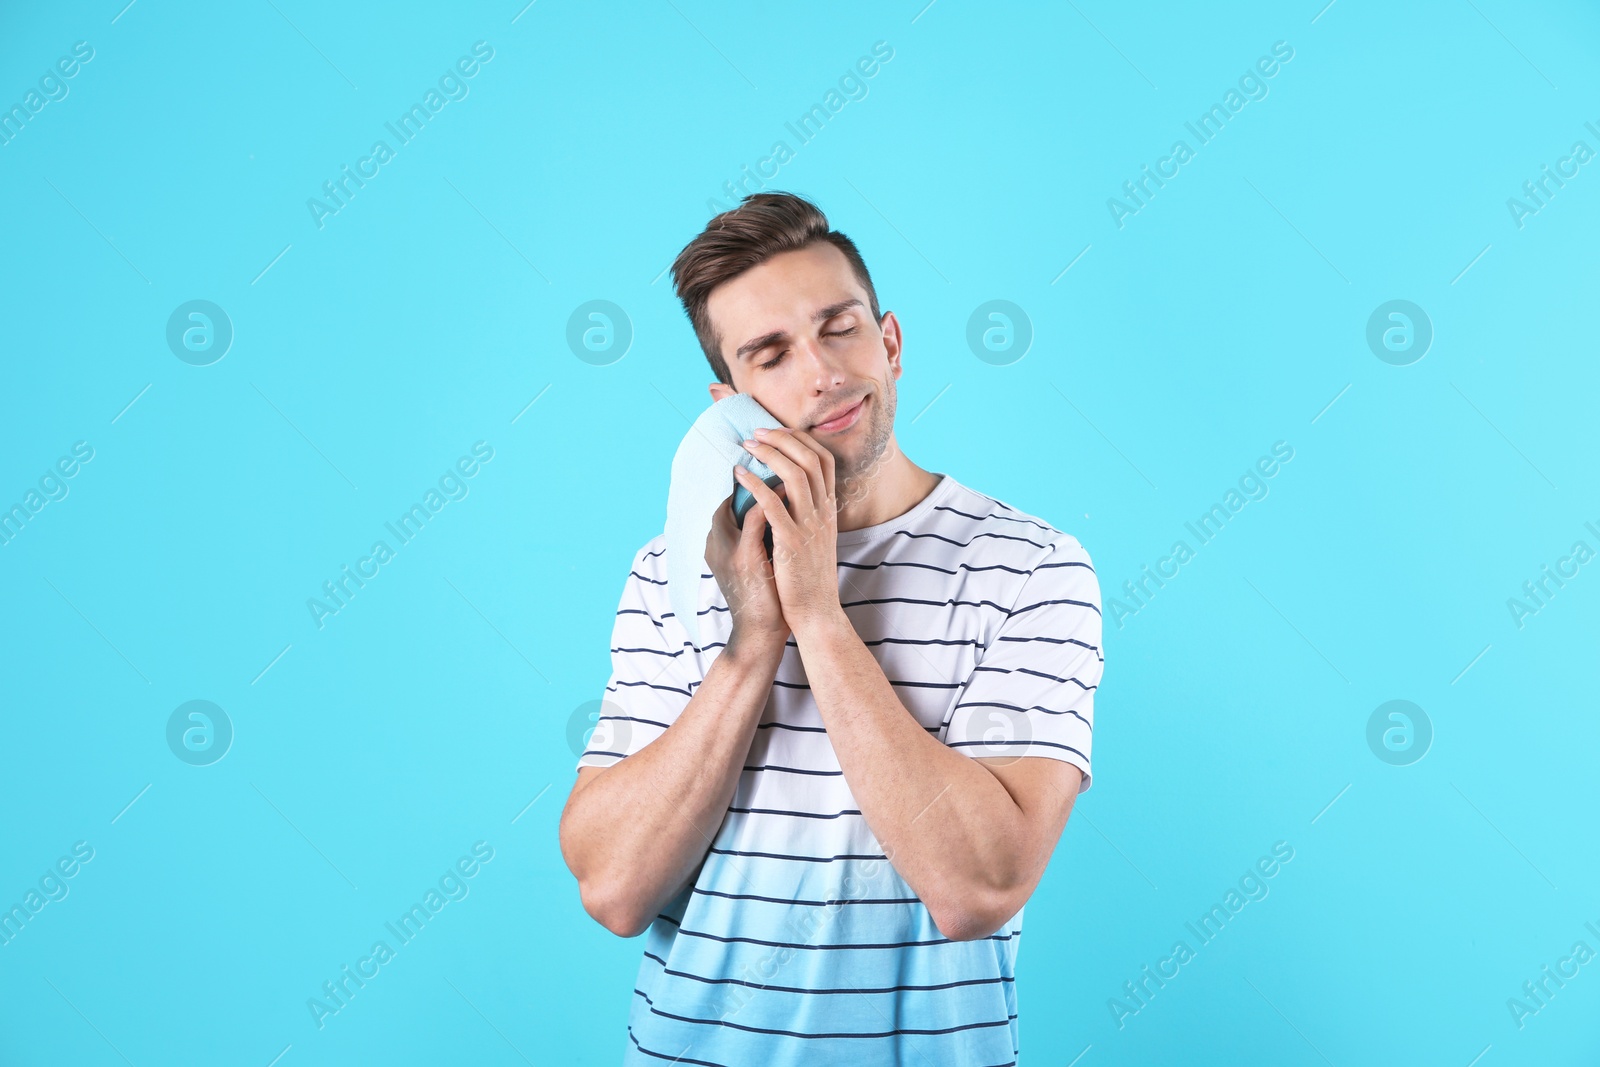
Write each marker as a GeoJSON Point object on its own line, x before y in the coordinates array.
{"type": "Point", "coordinates": [822, 315]}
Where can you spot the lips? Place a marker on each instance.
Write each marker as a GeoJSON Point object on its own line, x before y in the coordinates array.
{"type": "Point", "coordinates": [841, 419]}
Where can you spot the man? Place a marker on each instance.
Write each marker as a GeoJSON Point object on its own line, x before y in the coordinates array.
{"type": "Point", "coordinates": [828, 816]}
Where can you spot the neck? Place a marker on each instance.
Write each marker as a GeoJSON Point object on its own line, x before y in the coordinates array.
{"type": "Point", "coordinates": [890, 488]}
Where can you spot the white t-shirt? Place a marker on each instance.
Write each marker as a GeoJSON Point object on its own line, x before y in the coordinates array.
{"type": "Point", "coordinates": [798, 943]}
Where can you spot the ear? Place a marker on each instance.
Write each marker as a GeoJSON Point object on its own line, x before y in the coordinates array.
{"type": "Point", "coordinates": [891, 341]}
{"type": "Point", "coordinates": [720, 391]}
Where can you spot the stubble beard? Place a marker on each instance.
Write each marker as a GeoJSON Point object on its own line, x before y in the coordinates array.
{"type": "Point", "coordinates": [854, 476]}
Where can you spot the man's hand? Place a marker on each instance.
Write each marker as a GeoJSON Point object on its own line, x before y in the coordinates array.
{"type": "Point", "coordinates": [738, 559]}
{"type": "Point", "coordinates": [805, 523]}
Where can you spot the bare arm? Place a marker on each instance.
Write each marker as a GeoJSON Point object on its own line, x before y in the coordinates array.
{"type": "Point", "coordinates": [971, 836]}
{"type": "Point", "coordinates": [634, 833]}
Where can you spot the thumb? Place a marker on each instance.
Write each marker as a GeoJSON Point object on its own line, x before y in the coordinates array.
{"type": "Point", "coordinates": [752, 543]}
{"type": "Point", "coordinates": [755, 521]}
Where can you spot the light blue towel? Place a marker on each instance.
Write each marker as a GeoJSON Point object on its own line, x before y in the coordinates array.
{"type": "Point", "coordinates": [702, 478]}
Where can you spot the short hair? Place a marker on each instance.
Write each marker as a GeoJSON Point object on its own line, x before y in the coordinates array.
{"type": "Point", "coordinates": [762, 226]}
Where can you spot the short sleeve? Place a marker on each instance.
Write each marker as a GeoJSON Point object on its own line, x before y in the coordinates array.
{"type": "Point", "coordinates": [652, 680]}
{"type": "Point", "coordinates": [1032, 691]}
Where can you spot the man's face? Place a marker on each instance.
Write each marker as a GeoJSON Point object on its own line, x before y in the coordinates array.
{"type": "Point", "coordinates": [798, 336]}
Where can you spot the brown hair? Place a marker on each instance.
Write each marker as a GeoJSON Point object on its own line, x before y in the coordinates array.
{"type": "Point", "coordinates": [763, 225]}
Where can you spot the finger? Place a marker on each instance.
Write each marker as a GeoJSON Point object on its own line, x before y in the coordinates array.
{"type": "Point", "coordinates": [722, 528]}
{"type": "Point", "coordinates": [721, 550]}
{"type": "Point", "coordinates": [752, 549]}
{"type": "Point", "coordinates": [800, 467]}
{"type": "Point", "coordinates": [784, 456]}
{"type": "Point", "coordinates": [722, 518]}
{"type": "Point", "coordinates": [812, 457]}
{"type": "Point", "coordinates": [824, 460]}
{"type": "Point", "coordinates": [773, 508]}
{"type": "Point", "coordinates": [728, 518]}
{"type": "Point", "coordinates": [754, 520]}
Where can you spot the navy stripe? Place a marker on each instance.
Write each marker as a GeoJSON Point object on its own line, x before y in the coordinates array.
{"type": "Point", "coordinates": [708, 611]}
{"type": "Point", "coordinates": [697, 891]}
{"type": "Point", "coordinates": [1015, 511]}
{"type": "Point", "coordinates": [796, 770]}
{"type": "Point", "coordinates": [632, 718]}
{"type": "Point", "coordinates": [796, 1033]}
{"type": "Point", "coordinates": [655, 651]}
{"type": "Point", "coordinates": [828, 948]}
{"type": "Point", "coordinates": [679, 1058]}
{"type": "Point", "coordinates": [962, 566]}
{"type": "Point", "coordinates": [968, 544]}
{"type": "Point", "coordinates": [1036, 674]}
{"type": "Point", "coordinates": [791, 726]}
{"type": "Point", "coordinates": [796, 814]}
{"type": "Point", "coordinates": [667, 615]}
{"type": "Point", "coordinates": [649, 685]}
{"type": "Point", "coordinates": [1055, 641]}
{"type": "Point", "coordinates": [928, 603]}
{"type": "Point", "coordinates": [1047, 603]}
{"type": "Point", "coordinates": [923, 641]}
{"type": "Point", "coordinates": [805, 729]}
{"type": "Point", "coordinates": [803, 859]}
{"type": "Point", "coordinates": [659, 581]}
{"type": "Point", "coordinates": [1006, 518]}
{"type": "Point", "coordinates": [781, 684]}
{"type": "Point", "coordinates": [931, 567]}
{"type": "Point", "coordinates": [825, 992]}
{"type": "Point", "coordinates": [1014, 707]}
{"type": "Point", "coordinates": [1071, 563]}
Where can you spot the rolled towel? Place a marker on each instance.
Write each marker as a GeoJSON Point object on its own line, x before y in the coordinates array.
{"type": "Point", "coordinates": [702, 477]}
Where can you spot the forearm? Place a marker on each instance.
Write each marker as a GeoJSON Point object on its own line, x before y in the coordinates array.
{"type": "Point", "coordinates": [634, 835]}
{"type": "Point", "coordinates": [947, 824]}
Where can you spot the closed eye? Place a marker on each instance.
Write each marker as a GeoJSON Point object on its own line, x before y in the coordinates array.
{"type": "Point", "coordinates": [827, 333]}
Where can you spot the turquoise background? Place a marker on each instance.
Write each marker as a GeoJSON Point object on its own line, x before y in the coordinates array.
{"type": "Point", "coordinates": [433, 711]}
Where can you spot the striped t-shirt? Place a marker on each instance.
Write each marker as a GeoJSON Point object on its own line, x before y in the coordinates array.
{"type": "Point", "coordinates": [798, 943]}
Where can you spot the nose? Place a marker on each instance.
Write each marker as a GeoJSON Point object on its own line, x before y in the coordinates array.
{"type": "Point", "coordinates": [827, 370]}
